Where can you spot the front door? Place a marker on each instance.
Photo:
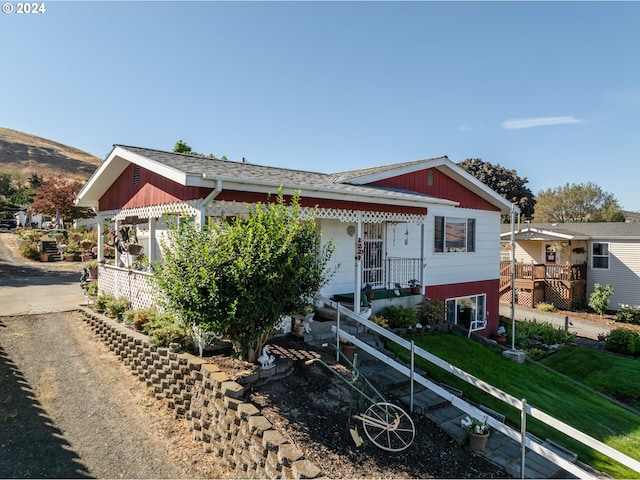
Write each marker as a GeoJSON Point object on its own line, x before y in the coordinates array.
{"type": "Point", "coordinates": [373, 255]}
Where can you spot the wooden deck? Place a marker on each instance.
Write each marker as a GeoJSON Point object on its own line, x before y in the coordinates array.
{"type": "Point", "coordinates": [562, 285]}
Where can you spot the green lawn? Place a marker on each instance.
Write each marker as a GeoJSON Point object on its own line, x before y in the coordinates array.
{"type": "Point", "coordinates": [613, 375]}
{"type": "Point", "coordinates": [551, 393]}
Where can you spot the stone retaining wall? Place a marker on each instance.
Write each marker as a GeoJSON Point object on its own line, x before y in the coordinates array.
{"type": "Point", "coordinates": [211, 404]}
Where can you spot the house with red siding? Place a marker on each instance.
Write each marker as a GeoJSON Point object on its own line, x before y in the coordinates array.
{"type": "Point", "coordinates": [425, 221]}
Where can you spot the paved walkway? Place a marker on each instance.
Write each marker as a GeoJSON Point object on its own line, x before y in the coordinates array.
{"type": "Point", "coordinates": [28, 287]}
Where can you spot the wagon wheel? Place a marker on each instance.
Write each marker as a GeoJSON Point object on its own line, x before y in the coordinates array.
{"type": "Point", "coordinates": [388, 426]}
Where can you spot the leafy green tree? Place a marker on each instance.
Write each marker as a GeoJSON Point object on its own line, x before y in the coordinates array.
{"type": "Point", "coordinates": [599, 298]}
{"type": "Point", "coordinates": [7, 185]}
{"type": "Point", "coordinates": [584, 202]}
{"type": "Point", "coordinates": [238, 277]}
{"type": "Point", "coordinates": [503, 181]}
{"type": "Point", "coordinates": [182, 147]}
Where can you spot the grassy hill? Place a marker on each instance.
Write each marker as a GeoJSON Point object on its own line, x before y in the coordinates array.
{"type": "Point", "coordinates": [24, 154]}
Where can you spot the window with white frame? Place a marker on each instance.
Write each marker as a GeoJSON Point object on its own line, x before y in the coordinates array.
{"type": "Point", "coordinates": [455, 234]}
{"type": "Point", "coordinates": [600, 255]}
{"type": "Point", "coordinates": [468, 312]}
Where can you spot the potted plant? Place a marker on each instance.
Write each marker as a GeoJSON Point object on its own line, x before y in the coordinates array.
{"type": "Point", "coordinates": [347, 348]}
{"type": "Point", "coordinates": [414, 285]}
{"type": "Point", "coordinates": [102, 300]}
{"type": "Point", "coordinates": [44, 257]}
{"type": "Point", "coordinates": [478, 431]}
{"type": "Point", "coordinates": [501, 335]}
{"type": "Point", "coordinates": [93, 269]}
{"type": "Point", "coordinates": [117, 306]}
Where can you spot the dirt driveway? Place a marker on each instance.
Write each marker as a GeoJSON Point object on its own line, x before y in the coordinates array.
{"type": "Point", "coordinates": [68, 407]}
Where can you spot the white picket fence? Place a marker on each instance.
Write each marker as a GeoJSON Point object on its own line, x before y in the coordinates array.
{"type": "Point", "coordinates": [525, 409]}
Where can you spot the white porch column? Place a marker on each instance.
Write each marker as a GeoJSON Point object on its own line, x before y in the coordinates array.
{"type": "Point", "coordinates": [358, 265]}
{"type": "Point", "coordinates": [152, 241]}
{"type": "Point", "coordinates": [99, 239]}
{"type": "Point", "coordinates": [117, 229]}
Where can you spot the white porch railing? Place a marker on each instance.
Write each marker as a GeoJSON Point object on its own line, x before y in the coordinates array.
{"type": "Point", "coordinates": [123, 282]}
{"type": "Point", "coordinates": [471, 410]}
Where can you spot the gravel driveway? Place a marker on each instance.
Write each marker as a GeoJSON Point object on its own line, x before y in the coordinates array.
{"type": "Point", "coordinates": [68, 407]}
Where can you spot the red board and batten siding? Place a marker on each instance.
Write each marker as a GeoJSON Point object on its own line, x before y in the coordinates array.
{"type": "Point", "coordinates": [457, 290]}
{"type": "Point", "coordinates": [154, 189]}
{"type": "Point", "coordinates": [443, 187]}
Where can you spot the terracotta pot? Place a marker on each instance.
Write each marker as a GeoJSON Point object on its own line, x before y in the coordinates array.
{"type": "Point", "coordinates": [415, 290]}
{"type": "Point", "coordinates": [135, 249]}
{"type": "Point", "coordinates": [369, 294]}
{"type": "Point", "coordinates": [298, 328]}
{"type": "Point", "coordinates": [478, 442]}
{"type": "Point", "coordinates": [348, 351]}
{"type": "Point", "coordinates": [44, 257]}
{"type": "Point", "coordinates": [501, 339]}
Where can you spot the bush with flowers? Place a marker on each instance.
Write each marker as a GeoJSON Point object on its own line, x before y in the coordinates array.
{"type": "Point", "coordinates": [474, 425]}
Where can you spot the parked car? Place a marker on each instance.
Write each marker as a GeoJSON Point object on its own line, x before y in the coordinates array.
{"type": "Point", "coordinates": [8, 223]}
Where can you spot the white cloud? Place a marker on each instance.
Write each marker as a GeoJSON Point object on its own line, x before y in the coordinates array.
{"type": "Point", "coordinates": [516, 123]}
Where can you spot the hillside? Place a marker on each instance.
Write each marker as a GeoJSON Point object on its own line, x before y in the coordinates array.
{"type": "Point", "coordinates": [24, 154]}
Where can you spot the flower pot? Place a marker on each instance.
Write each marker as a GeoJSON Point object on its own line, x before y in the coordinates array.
{"type": "Point", "coordinates": [478, 442]}
{"type": "Point", "coordinates": [298, 328]}
{"type": "Point", "coordinates": [135, 248]}
{"type": "Point", "coordinates": [369, 294]}
{"type": "Point", "coordinates": [44, 257]}
{"type": "Point", "coordinates": [501, 339]}
{"type": "Point", "coordinates": [415, 290]}
{"type": "Point", "coordinates": [348, 351]}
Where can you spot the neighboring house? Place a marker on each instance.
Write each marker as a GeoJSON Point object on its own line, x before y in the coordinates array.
{"type": "Point", "coordinates": [427, 220]}
{"type": "Point", "coordinates": [560, 263]}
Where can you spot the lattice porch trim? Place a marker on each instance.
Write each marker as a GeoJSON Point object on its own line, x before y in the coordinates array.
{"type": "Point", "coordinates": [223, 208]}
{"type": "Point", "coordinates": [156, 211]}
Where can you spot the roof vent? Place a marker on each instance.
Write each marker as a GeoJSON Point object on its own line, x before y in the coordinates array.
{"type": "Point", "coordinates": [136, 174]}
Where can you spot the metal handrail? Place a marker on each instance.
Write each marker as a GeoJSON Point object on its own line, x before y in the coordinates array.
{"type": "Point", "coordinates": [470, 409]}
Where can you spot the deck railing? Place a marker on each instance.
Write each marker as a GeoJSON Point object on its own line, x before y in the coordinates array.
{"type": "Point", "coordinates": [401, 270]}
{"type": "Point", "coordinates": [542, 271]}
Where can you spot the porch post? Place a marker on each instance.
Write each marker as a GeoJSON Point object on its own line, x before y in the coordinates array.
{"type": "Point", "coordinates": [117, 229]}
{"type": "Point", "coordinates": [358, 265]}
{"type": "Point", "coordinates": [99, 240]}
{"type": "Point", "coordinates": [152, 240]}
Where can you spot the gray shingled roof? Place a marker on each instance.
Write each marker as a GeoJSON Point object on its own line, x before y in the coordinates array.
{"type": "Point", "coordinates": [198, 165]}
{"type": "Point", "coordinates": [593, 230]}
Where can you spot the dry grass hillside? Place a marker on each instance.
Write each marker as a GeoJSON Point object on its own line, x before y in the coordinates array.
{"type": "Point", "coordinates": [24, 154]}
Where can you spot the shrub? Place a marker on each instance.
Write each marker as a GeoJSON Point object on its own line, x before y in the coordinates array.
{"type": "Point", "coordinates": [545, 307]}
{"type": "Point", "coordinates": [430, 311]}
{"type": "Point", "coordinates": [623, 341]}
{"type": "Point", "coordinates": [30, 251]}
{"type": "Point", "coordinates": [599, 298]}
{"type": "Point", "coordinates": [164, 329]}
{"type": "Point", "coordinates": [117, 306]}
{"type": "Point", "coordinates": [139, 318]}
{"type": "Point", "coordinates": [399, 316]}
{"type": "Point", "coordinates": [102, 300]}
{"type": "Point", "coordinates": [532, 332]}
{"type": "Point", "coordinates": [628, 315]}
{"type": "Point", "coordinates": [380, 320]}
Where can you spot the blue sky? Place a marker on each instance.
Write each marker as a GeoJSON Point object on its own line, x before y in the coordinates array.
{"type": "Point", "coordinates": [549, 89]}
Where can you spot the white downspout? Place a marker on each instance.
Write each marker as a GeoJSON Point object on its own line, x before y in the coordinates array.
{"type": "Point", "coordinates": [206, 201]}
